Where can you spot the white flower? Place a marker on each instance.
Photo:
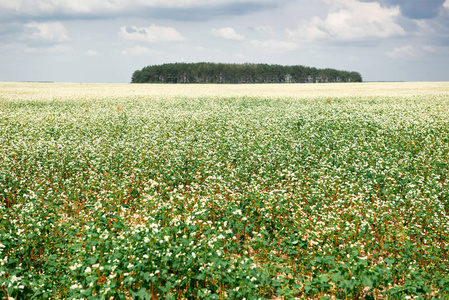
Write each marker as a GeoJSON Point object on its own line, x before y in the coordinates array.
{"type": "Point", "coordinates": [193, 254]}
{"type": "Point", "coordinates": [130, 265]}
{"type": "Point", "coordinates": [221, 237]}
{"type": "Point", "coordinates": [75, 266]}
{"type": "Point", "coordinates": [146, 239]}
{"type": "Point", "coordinates": [75, 286]}
{"type": "Point", "coordinates": [88, 270]}
{"type": "Point", "coordinates": [96, 266]}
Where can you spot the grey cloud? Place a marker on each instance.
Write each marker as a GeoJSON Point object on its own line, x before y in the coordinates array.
{"type": "Point", "coordinates": [130, 29]}
{"type": "Point", "coordinates": [193, 12]}
{"type": "Point", "coordinates": [362, 43]}
{"type": "Point", "coordinates": [10, 29]}
{"type": "Point", "coordinates": [442, 42]}
{"type": "Point", "coordinates": [204, 13]}
{"type": "Point", "coordinates": [443, 19]}
{"type": "Point", "coordinates": [416, 9]}
{"type": "Point", "coordinates": [420, 9]}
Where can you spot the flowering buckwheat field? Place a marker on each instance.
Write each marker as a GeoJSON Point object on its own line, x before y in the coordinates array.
{"type": "Point", "coordinates": [331, 191]}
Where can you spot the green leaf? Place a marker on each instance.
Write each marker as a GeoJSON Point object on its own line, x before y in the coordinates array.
{"type": "Point", "coordinates": [143, 294]}
{"type": "Point", "coordinates": [366, 281]}
{"type": "Point", "coordinates": [336, 277]}
{"type": "Point", "coordinates": [324, 278]}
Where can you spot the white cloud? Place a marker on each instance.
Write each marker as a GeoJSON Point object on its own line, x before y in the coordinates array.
{"type": "Point", "coordinates": [239, 56]}
{"type": "Point", "coordinates": [274, 45]}
{"type": "Point", "coordinates": [402, 52]}
{"type": "Point", "coordinates": [52, 49]}
{"type": "Point", "coordinates": [138, 51]}
{"type": "Point", "coordinates": [91, 53]}
{"type": "Point", "coordinates": [429, 49]}
{"type": "Point", "coordinates": [227, 33]}
{"type": "Point", "coordinates": [425, 27]}
{"type": "Point", "coordinates": [350, 20]}
{"type": "Point", "coordinates": [12, 47]}
{"type": "Point", "coordinates": [265, 29]}
{"type": "Point", "coordinates": [152, 33]}
{"type": "Point", "coordinates": [47, 31]}
{"type": "Point", "coordinates": [446, 4]}
{"type": "Point", "coordinates": [436, 50]}
{"type": "Point", "coordinates": [13, 5]}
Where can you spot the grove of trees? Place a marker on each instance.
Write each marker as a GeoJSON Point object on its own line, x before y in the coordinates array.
{"type": "Point", "coordinates": [239, 73]}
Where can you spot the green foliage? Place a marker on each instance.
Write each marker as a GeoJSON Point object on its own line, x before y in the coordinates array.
{"type": "Point", "coordinates": [224, 198]}
{"type": "Point", "coordinates": [235, 73]}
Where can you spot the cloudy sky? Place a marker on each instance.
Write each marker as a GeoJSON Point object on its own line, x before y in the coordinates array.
{"type": "Point", "coordinates": [106, 40]}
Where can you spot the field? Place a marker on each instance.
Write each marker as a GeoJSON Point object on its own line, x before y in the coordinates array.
{"type": "Point", "coordinates": [331, 191]}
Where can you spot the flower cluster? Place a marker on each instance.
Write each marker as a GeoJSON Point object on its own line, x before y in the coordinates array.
{"type": "Point", "coordinates": [223, 192]}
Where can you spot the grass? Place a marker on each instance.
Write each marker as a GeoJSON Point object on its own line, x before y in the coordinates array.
{"type": "Point", "coordinates": [332, 191]}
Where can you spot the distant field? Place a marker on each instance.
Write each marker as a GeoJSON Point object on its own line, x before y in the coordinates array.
{"type": "Point", "coordinates": [331, 191]}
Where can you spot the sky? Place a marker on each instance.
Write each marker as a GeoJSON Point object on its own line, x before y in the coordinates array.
{"type": "Point", "coordinates": [105, 41]}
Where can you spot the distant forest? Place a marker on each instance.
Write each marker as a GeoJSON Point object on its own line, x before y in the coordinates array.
{"type": "Point", "coordinates": [239, 73]}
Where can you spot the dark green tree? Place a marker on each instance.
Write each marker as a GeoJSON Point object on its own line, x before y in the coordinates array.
{"type": "Point", "coordinates": [204, 72]}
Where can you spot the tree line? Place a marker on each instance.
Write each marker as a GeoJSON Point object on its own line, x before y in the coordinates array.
{"type": "Point", "coordinates": [239, 73]}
